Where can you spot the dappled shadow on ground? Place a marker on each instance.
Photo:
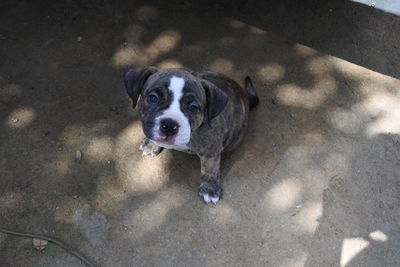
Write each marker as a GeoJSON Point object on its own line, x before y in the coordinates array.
{"type": "Point", "coordinates": [316, 172]}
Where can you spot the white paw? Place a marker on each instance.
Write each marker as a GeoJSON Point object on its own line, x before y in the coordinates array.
{"type": "Point", "coordinates": [141, 147]}
{"type": "Point", "coordinates": [149, 149]}
{"type": "Point", "coordinates": [147, 152]}
{"type": "Point", "coordinates": [207, 198]}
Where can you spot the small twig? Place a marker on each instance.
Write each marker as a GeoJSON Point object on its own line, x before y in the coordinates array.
{"type": "Point", "coordinates": [51, 240]}
{"type": "Point", "coordinates": [333, 177]}
{"type": "Point", "coordinates": [274, 168]}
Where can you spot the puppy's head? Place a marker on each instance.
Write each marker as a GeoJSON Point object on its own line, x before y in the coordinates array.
{"type": "Point", "coordinates": [173, 103]}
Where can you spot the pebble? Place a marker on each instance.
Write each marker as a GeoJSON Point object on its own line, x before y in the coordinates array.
{"type": "Point", "coordinates": [78, 156]}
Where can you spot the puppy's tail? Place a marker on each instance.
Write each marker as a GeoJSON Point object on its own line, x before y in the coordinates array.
{"type": "Point", "coordinates": [251, 92]}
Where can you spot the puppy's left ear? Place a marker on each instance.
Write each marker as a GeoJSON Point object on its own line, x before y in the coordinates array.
{"type": "Point", "coordinates": [134, 81]}
{"type": "Point", "coordinates": [216, 100]}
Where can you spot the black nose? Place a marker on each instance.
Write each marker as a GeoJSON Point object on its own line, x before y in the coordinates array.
{"type": "Point", "coordinates": [169, 127]}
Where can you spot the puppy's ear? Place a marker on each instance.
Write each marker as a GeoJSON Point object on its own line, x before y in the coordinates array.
{"type": "Point", "coordinates": [216, 100]}
{"type": "Point", "coordinates": [134, 81]}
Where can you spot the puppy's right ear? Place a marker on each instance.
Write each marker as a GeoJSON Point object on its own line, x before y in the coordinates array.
{"type": "Point", "coordinates": [134, 81]}
{"type": "Point", "coordinates": [216, 100]}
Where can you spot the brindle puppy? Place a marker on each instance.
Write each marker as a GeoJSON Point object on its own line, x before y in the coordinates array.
{"type": "Point", "coordinates": [204, 113]}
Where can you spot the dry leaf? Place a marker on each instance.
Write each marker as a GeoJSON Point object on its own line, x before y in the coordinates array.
{"type": "Point", "coordinates": [39, 244]}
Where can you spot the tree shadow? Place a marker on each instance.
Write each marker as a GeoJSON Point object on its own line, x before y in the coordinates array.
{"type": "Point", "coordinates": [345, 29]}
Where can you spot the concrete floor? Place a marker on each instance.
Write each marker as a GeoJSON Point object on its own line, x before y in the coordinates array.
{"type": "Point", "coordinates": [315, 182]}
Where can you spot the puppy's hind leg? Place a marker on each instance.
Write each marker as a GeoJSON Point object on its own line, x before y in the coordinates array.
{"type": "Point", "coordinates": [149, 148]}
{"type": "Point", "coordinates": [210, 189]}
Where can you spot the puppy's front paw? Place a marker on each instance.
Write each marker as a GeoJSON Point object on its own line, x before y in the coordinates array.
{"type": "Point", "coordinates": [210, 191]}
{"type": "Point", "coordinates": [149, 148]}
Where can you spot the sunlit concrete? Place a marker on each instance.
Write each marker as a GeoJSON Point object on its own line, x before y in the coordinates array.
{"type": "Point", "coordinates": [152, 214]}
{"type": "Point", "coordinates": [272, 72]}
{"type": "Point", "coordinates": [223, 65]}
{"type": "Point", "coordinates": [72, 134]}
{"type": "Point", "coordinates": [309, 98]}
{"type": "Point", "coordinates": [350, 248]}
{"type": "Point", "coordinates": [237, 24]}
{"type": "Point", "coordinates": [346, 121]}
{"type": "Point", "coordinates": [224, 214]}
{"type": "Point", "coordinates": [170, 63]}
{"type": "Point", "coordinates": [99, 149]}
{"type": "Point", "coordinates": [283, 195]}
{"type": "Point", "coordinates": [131, 53]}
{"type": "Point", "coordinates": [378, 236]}
{"type": "Point", "coordinates": [21, 117]}
{"type": "Point", "coordinates": [307, 216]}
{"type": "Point", "coordinates": [304, 51]}
{"type": "Point", "coordinates": [318, 66]}
{"type": "Point", "coordinates": [163, 43]}
{"type": "Point", "coordinates": [138, 173]}
{"type": "Point", "coordinates": [384, 107]}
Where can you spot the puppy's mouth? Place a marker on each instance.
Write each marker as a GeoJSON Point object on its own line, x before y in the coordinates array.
{"type": "Point", "coordinates": [164, 139]}
{"type": "Point", "coordinates": [167, 132]}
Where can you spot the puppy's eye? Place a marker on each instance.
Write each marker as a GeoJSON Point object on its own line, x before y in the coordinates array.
{"type": "Point", "coordinates": [152, 98]}
{"type": "Point", "coordinates": [193, 107]}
